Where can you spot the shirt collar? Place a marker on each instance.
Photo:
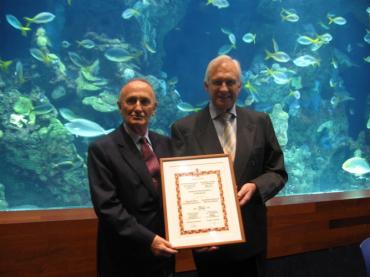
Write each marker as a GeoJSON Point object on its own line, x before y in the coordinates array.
{"type": "Point", "coordinates": [217, 112]}
{"type": "Point", "coordinates": [135, 137]}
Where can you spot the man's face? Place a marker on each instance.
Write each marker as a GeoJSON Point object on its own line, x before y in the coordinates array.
{"type": "Point", "coordinates": [223, 84]}
{"type": "Point", "coordinates": [137, 104]}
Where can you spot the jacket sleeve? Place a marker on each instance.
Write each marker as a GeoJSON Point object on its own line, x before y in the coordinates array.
{"type": "Point", "coordinates": [108, 207]}
{"type": "Point", "coordinates": [178, 141]}
{"type": "Point", "coordinates": [274, 175]}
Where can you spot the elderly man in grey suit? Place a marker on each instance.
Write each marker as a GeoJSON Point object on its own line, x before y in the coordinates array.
{"type": "Point", "coordinates": [125, 189]}
{"type": "Point", "coordinates": [248, 136]}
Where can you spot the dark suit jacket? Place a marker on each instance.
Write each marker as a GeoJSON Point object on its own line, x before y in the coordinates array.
{"type": "Point", "coordinates": [258, 159]}
{"type": "Point", "coordinates": [128, 207]}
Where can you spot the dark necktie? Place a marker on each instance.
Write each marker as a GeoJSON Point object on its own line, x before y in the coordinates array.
{"type": "Point", "coordinates": [151, 161]}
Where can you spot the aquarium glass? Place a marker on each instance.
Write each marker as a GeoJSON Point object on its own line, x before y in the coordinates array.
{"type": "Point", "coordinates": [62, 63]}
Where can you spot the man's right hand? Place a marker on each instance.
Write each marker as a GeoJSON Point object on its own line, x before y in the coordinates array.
{"type": "Point", "coordinates": [162, 247]}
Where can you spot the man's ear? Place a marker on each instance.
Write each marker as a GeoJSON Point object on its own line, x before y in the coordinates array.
{"type": "Point", "coordinates": [205, 86]}
{"type": "Point", "coordinates": [119, 105]}
{"type": "Point", "coordinates": [155, 108]}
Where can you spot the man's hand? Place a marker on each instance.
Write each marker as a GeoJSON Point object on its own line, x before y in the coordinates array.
{"type": "Point", "coordinates": [246, 192]}
{"type": "Point", "coordinates": [162, 247]}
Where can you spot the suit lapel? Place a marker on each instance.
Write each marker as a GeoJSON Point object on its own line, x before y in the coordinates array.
{"type": "Point", "coordinates": [133, 158]}
{"type": "Point", "coordinates": [244, 135]}
{"type": "Point", "coordinates": [158, 147]}
{"type": "Point", "coordinates": [205, 133]}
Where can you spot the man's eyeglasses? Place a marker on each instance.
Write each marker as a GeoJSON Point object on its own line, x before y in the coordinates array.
{"type": "Point", "coordinates": [228, 82]}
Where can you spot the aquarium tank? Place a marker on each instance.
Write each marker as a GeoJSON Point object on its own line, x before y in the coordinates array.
{"type": "Point", "coordinates": [63, 62]}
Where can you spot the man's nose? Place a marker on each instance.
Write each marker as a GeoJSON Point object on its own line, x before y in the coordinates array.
{"type": "Point", "coordinates": [224, 87]}
{"type": "Point", "coordinates": [138, 105]}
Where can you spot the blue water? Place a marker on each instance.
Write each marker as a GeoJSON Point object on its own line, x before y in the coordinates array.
{"type": "Point", "coordinates": [170, 43]}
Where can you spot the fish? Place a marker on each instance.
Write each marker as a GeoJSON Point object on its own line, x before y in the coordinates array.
{"type": "Point", "coordinates": [248, 86]}
{"type": "Point", "coordinates": [38, 55]}
{"type": "Point", "coordinates": [86, 128]}
{"type": "Point", "coordinates": [130, 12]}
{"type": "Point", "coordinates": [306, 40]}
{"type": "Point", "coordinates": [86, 43]}
{"type": "Point", "coordinates": [324, 26]}
{"type": "Point", "coordinates": [337, 99]}
{"type": "Point", "coordinates": [66, 44]}
{"type": "Point", "coordinates": [14, 22]}
{"type": "Point", "coordinates": [231, 36]}
{"type": "Point", "coordinates": [367, 59]}
{"type": "Point", "coordinates": [306, 60]}
{"type": "Point", "coordinates": [148, 47]}
{"type": "Point", "coordinates": [187, 107]}
{"type": "Point", "coordinates": [44, 108]}
{"type": "Point", "coordinates": [277, 55]}
{"type": "Point", "coordinates": [4, 65]}
{"type": "Point", "coordinates": [225, 49]}
{"type": "Point", "coordinates": [329, 124]}
{"type": "Point", "coordinates": [249, 100]}
{"type": "Point", "coordinates": [40, 18]}
{"type": "Point", "coordinates": [67, 114]}
{"type": "Point", "coordinates": [46, 58]}
{"type": "Point", "coordinates": [118, 54]}
{"type": "Point", "coordinates": [367, 37]}
{"type": "Point", "coordinates": [88, 76]}
{"type": "Point", "coordinates": [339, 20]}
{"type": "Point", "coordinates": [76, 59]}
{"type": "Point", "coordinates": [316, 42]}
{"type": "Point", "coordinates": [19, 76]}
{"type": "Point", "coordinates": [280, 78]}
{"type": "Point", "coordinates": [295, 94]}
{"type": "Point", "coordinates": [334, 63]}
{"type": "Point", "coordinates": [221, 4]}
{"type": "Point", "coordinates": [249, 38]}
{"type": "Point", "coordinates": [289, 15]}
{"type": "Point", "coordinates": [357, 166]}
{"type": "Point", "coordinates": [332, 83]}
{"type": "Point", "coordinates": [326, 37]}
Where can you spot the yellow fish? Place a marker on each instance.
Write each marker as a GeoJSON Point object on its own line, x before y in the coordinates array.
{"type": "Point", "coordinates": [289, 15]}
{"type": "Point", "coordinates": [336, 19]}
{"type": "Point", "coordinates": [4, 65]}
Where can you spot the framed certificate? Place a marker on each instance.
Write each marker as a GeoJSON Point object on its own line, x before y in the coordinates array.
{"type": "Point", "coordinates": [200, 201]}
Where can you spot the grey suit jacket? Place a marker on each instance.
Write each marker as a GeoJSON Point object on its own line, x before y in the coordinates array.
{"type": "Point", "coordinates": [258, 159]}
{"type": "Point", "coordinates": [128, 207]}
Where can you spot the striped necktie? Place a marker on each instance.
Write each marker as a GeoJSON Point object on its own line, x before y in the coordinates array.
{"type": "Point", "coordinates": [151, 161]}
{"type": "Point", "coordinates": [228, 138]}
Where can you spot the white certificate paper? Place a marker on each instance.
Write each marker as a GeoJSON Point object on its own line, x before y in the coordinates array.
{"type": "Point", "coordinates": [200, 202]}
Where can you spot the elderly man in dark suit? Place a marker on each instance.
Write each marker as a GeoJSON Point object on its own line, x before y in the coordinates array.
{"type": "Point", "coordinates": [124, 181]}
{"type": "Point", "coordinates": [248, 136]}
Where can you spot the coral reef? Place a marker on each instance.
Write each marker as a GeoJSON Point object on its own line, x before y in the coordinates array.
{"type": "Point", "coordinates": [41, 151]}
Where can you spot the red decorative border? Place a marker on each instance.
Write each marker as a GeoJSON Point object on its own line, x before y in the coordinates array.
{"type": "Point", "coordinates": [179, 207]}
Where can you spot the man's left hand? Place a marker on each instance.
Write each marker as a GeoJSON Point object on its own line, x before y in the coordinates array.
{"type": "Point", "coordinates": [246, 192]}
{"type": "Point", "coordinates": [162, 247]}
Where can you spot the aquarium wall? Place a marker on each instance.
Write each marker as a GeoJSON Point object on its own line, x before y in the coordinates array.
{"type": "Point", "coordinates": [62, 64]}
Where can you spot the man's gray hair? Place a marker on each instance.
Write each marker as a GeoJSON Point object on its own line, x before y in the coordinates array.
{"type": "Point", "coordinates": [218, 60]}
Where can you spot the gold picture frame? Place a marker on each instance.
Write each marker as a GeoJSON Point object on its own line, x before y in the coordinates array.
{"type": "Point", "coordinates": [200, 201]}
